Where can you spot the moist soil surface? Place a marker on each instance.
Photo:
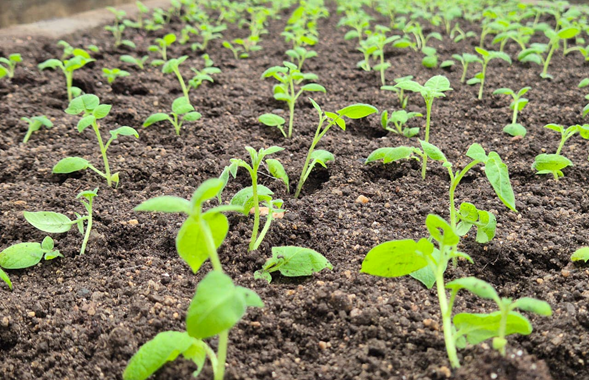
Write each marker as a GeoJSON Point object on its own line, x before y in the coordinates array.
{"type": "Point", "coordinates": [83, 317]}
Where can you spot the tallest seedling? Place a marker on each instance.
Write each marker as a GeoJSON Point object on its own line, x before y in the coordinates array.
{"type": "Point", "coordinates": [432, 89]}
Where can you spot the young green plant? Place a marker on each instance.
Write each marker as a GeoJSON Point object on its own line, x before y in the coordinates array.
{"type": "Point", "coordinates": [89, 106]}
{"type": "Point", "coordinates": [397, 121]}
{"type": "Point", "coordinates": [487, 56]}
{"type": "Point", "coordinates": [161, 47]}
{"type": "Point", "coordinates": [292, 262]}
{"type": "Point", "coordinates": [35, 123]}
{"type": "Point", "coordinates": [465, 59]}
{"type": "Point", "coordinates": [289, 76]}
{"type": "Point", "coordinates": [518, 104]}
{"type": "Point", "coordinates": [139, 62]}
{"type": "Point", "coordinates": [68, 66]}
{"type": "Point", "coordinates": [173, 67]}
{"type": "Point", "coordinates": [326, 121]}
{"type": "Point", "coordinates": [118, 28]}
{"type": "Point", "coordinates": [535, 53]}
{"type": "Point", "coordinates": [205, 74]}
{"type": "Point", "coordinates": [10, 63]}
{"type": "Point", "coordinates": [56, 223]}
{"type": "Point", "coordinates": [435, 87]}
{"type": "Point", "coordinates": [182, 111]}
{"type": "Point", "coordinates": [112, 74]}
{"type": "Point", "coordinates": [403, 97]}
{"type": "Point", "coordinates": [218, 304]}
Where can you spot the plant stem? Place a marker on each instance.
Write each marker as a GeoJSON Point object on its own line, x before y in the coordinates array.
{"type": "Point", "coordinates": [254, 174]}
{"type": "Point", "coordinates": [222, 355]}
{"type": "Point", "coordinates": [88, 228]}
{"type": "Point", "coordinates": [69, 83]}
{"type": "Point", "coordinates": [27, 136]}
{"type": "Point", "coordinates": [318, 135]}
{"type": "Point", "coordinates": [181, 80]}
{"type": "Point", "coordinates": [446, 312]}
{"type": "Point", "coordinates": [464, 69]}
{"type": "Point", "coordinates": [291, 106]}
{"type": "Point", "coordinates": [382, 78]}
{"type": "Point", "coordinates": [547, 61]}
{"type": "Point", "coordinates": [269, 220]}
{"type": "Point", "coordinates": [103, 152]}
{"type": "Point", "coordinates": [514, 113]}
{"type": "Point", "coordinates": [483, 80]}
{"type": "Point", "coordinates": [428, 104]}
{"type": "Point", "coordinates": [455, 181]}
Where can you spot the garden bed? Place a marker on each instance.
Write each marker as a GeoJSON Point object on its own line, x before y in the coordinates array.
{"type": "Point", "coordinates": [83, 317]}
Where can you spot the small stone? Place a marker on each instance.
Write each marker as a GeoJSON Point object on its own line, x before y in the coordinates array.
{"type": "Point", "coordinates": [337, 192]}
{"type": "Point", "coordinates": [355, 312]}
{"type": "Point", "coordinates": [265, 210]}
{"type": "Point", "coordinates": [557, 340]}
{"type": "Point", "coordinates": [362, 199]}
{"type": "Point", "coordinates": [20, 203]}
{"type": "Point", "coordinates": [445, 371]}
{"type": "Point", "coordinates": [91, 310]}
{"type": "Point", "coordinates": [5, 322]}
{"type": "Point", "coordinates": [493, 375]}
{"type": "Point", "coordinates": [565, 273]}
{"type": "Point", "coordinates": [255, 324]}
{"type": "Point", "coordinates": [540, 281]}
{"type": "Point", "coordinates": [322, 345]}
{"type": "Point", "coordinates": [133, 222]}
{"type": "Point", "coordinates": [176, 316]}
{"type": "Point", "coordinates": [31, 314]}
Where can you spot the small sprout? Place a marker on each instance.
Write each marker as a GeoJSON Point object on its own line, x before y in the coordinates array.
{"type": "Point", "coordinates": [322, 157]}
{"type": "Point", "coordinates": [112, 74]}
{"type": "Point", "coordinates": [173, 66]}
{"type": "Point", "coordinates": [430, 60]}
{"type": "Point", "coordinates": [272, 120]}
{"type": "Point", "coordinates": [118, 28]}
{"type": "Point", "coordinates": [554, 163]}
{"type": "Point", "coordinates": [403, 98]}
{"type": "Point", "coordinates": [289, 76]}
{"type": "Point", "coordinates": [56, 223]}
{"type": "Point", "coordinates": [35, 123]}
{"type": "Point", "coordinates": [68, 66]}
{"type": "Point", "coordinates": [582, 84]}
{"type": "Point", "coordinates": [161, 48]}
{"type": "Point", "coordinates": [208, 33]}
{"type": "Point", "coordinates": [398, 119]}
{"type": "Point", "coordinates": [432, 89]}
{"type": "Point", "coordinates": [25, 255]}
{"type": "Point", "coordinates": [143, 11]}
{"type": "Point", "coordinates": [140, 62]}
{"type": "Point", "coordinates": [91, 109]}
{"type": "Point", "coordinates": [249, 198]}
{"type": "Point", "coordinates": [238, 50]}
{"type": "Point", "coordinates": [10, 63]}
{"type": "Point", "coordinates": [293, 262]}
{"type": "Point", "coordinates": [487, 56]}
{"type": "Point", "coordinates": [465, 59]}
{"type": "Point", "coordinates": [93, 48]}
{"type": "Point", "coordinates": [300, 54]}
{"type": "Point", "coordinates": [581, 254]}
{"type": "Point", "coordinates": [518, 104]}
{"type": "Point", "coordinates": [205, 74]}
{"type": "Point", "coordinates": [182, 111]}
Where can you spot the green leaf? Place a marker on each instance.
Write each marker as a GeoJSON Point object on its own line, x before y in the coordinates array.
{"type": "Point", "coordinates": [123, 131]}
{"type": "Point", "coordinates": [22, 255]}
{"type": "Point", "coordinates": [294, 262]}
{"type": "Point", "coordinates": [181, 106]}
{"type": "Point", "coordinates": [244, 197]}
{"type": "Point", "coordinates": [277, 170]}
{"type": "Point", "coordinates": [432, 151]}
{"type": "Point", "coordinates": [207, 190]}
{"type": "Point", "coordinates": [84, 103]}
{"type": "Point", "coordinates": [102, 111]}
{"type": "Point", "coordinates": [191, 243]}
{"type": "Point", "coordinates": [567, 33]}
{"type": "Point", "coordinates": [271, 120]}
{"type": "Point", "coordinates": [164, 347]}
{"type": "Point", "coordinates": [438, 83]}
{"type": "Point", "coordinates": [581, 254]}
{"type": "Point", "coordinates": [397, 258]}
{"type": "Point", "coordinates": [167, 204]}
{"type": "Point", "coordinates": [476, 152]}
{"type": "Point", "coordinates": [85, 122]}
{"type": "Point", "coordinates": [71, 164]}
{"type": "Point", "coordinates": [486, 227]}
{"type": "Point", "coordinates": [533, 305]}
{"type": "Point", "coordinates": [584, 83]}
{"type": "Point", "coordinates": [550, 163]}
{"type": "Point", "coordinates": [313, 87]}
{"type": "Point", "coordinates": [357, 111]}
{"type": "Point", "coordinates": [475, 286]}
{"type": "Point", "coordinates": [515, 130]}
{"type": "Point", "coordinates": [498, 175]}
{"type": "Point", "coordinates": [192, 116]}
{"type": "Point", "coordinates": [47, 221]}
{"type": "Point", "coordinates": [441, 231]}
{"type": "Point", "coordinates": [480, 327]}
{"type": "Point", "coordinates": [217, 306]}
{"type": "Point", "coordinates": [50, 64]}
{"type": "Point", "coordinates": [322, 157]}
{"type": "Point", "coordinates": [426, 275]}
{"type": "Point", "coordinates": [503, 91]}
{"type": "Point", "coordinates": [390, 154]}
{"type": "Point", "coordinates": [4, 277]}
{"type": "Point", "coordinates": [156, 117]}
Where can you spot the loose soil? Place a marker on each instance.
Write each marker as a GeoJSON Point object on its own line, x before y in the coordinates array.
{"type": "Point", "coordinates": [83, 317]}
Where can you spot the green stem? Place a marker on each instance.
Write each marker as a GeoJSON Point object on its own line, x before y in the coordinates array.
{"type": "Point", "coordinates": [547, 61]}
{"type": "Point", "coordinates": [291, 106]}
{"type": "Point", "coordinates": [88, 228]}
{"type": "Point", "coordinates": [428, 104]}
{"type": "Point", "coordinates": [254, 175]}
{"type": "Point", "coordinates": [269, 220]}
{"type": "Point", "coordinates": [455, 181]}
{"type": "Point", "coordinates": [318, 135]}
{"type": "Point", "coordinates": [446, 312]}
{"type": "Point", "coordinates": [382, 78]}
{"type": "Point", "coordinates": [503, 326]}
{"type": "Point", "coordinates": [483, 81]}
{"type": "Point", "coordinates": [103, 152]}
{"type": "Point", "coordinates": [464, 69]}
{"type": "Point", "coordinates": [514, 114]}
{"type": "Point", "coordinates": [27, 136]}
{"type": "Point", "coordinates": [222, 355]}
{"type": "Point", "coordinates": [69, 83]}
{"type": "Point", "coordinates": [181, 80]}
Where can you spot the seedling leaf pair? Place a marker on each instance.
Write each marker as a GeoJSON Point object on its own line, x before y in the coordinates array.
{"type": "Point", "coordinates": [293, 262]}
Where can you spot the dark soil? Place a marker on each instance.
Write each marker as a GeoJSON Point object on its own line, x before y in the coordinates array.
{"type": "Point", "coordinates": [83, 317]}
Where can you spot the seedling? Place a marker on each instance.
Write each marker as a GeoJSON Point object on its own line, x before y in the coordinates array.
{"type": "Point", "coordinates": [430, 60]}
{"type": "Point", "coordinates": [112, 74]}
{"type": "Point", "coordinates": [465, 59]}
{"type": "Point", "coordinates": [554, 163]}
{"type": "Point", "coordinates": [217, 305]}
{"type": "Point", "coordinates": [161, 45]}
{"type": "Point", "coordinates": [535, 52]}
{"type": "Point", "coordinates": [300, 54]}
{"type": "Point", "coordinates": [457, 34]}
{"type": "Point", "coordinates": [322, 157]}
{"type": "Point", "coordinates": [208, 33]}
{"type": "Point", "coordinates": [421, 40]}
{"type": "Point", "coordinates": [238, 50]}
{"type": "Point", "coordinates": [487, 57]}
{"type": "Point", "coordinates": [35, 123]}
{"type": "Point", "coordinates": [92, 111]}
{"type": "Point", "coordinates": [379, 40]}
{"type": "Point", "coordinates": [581, 254]}
{"type": "Point", "coordinates": [518, 104]}
{"type": "Point", "coordinates": [182, 111]}
{"type": "Point", "coordinates": [204, 74]}
{"type": "Point", "coordinates": [172, 66]}
{"type": "Point", "coordinates": [398, 119]}
{"type": "Point", "coordinates": [582, 84]}
{"type": "Point", "coordinates": [139, 62]}
{"type": "Point", "coordinates": [420, 259]}
{"type": "Point", "coordinates": [403, 98]}
{"type": "Point", "coordinates": [10, 63]}
{"type": "Point", "coordinates": [68, 66]}
{"type": "Point", "coordinates": [293, 262]}
{"type": "Point", "coordinates": [142, 12]}
{"type": "Point", "coordinates": [249, 198]}
{"type": "Point", "coordinates": [289, 76]}
{"type": "Point", "coordinates": [272, 120]}
{"type": "Point", "coordinates": [25, 255]}
{"type": "Point", "coordinates": [56, 223]}
{"type": "Point", "coordinates": [367, 48]}
{"type": "Point", "coordinates": [118, 28]}
{"type": "Point", "coordinates": [432, 89]}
